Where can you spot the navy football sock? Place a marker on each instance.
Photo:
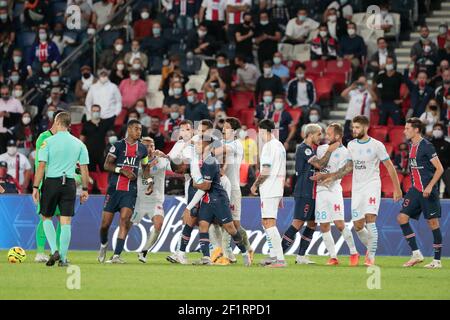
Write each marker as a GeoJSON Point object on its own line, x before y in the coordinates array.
{"type": "Point", "coordinates": [410, 236]}
{"type": "Point", "coordinates": [119, 246]}
{"type": "Point", "coordinates": [103, 236]}
{"type": "Point", "coordinates": [204, 243]}
{"type": "Point", "coordinates": [185, 237]}
{"type": "Point", "coordinates": [306, 240]}
{"type": "Point", "coordinates": [288, 238]}
{"type": "Point", "coordinates": [437, 243]}
{"type": "Point", "coordinates": [239, 242]}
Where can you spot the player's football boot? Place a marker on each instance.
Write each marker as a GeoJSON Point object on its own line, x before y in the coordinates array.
{"type": "Point", "coordinates": [416, 258]}
{"type": "Point", "coordinates": [222, 261]}
{"type": "Point", "coordinates": [354, 259]}
{"type": "Point", "coordinates": [204, 261]}
{"type": "Point", "coordinates": [216, 254]}
{"type": "Point", "coordinates": [142, 257]}
{"type": "Point", "coordinates": [53, 259]}
{"type": "Point", "coordinates": [115, 259]}
{"type": "Point", "coordinates": [177, 257]}
{"type": "Point", "coordinates": [277, 264]}
{"type": "Point", "coordinates": [247, 259]}
{"type": "Point", "coordinates": [63, 263]}
{"type": "Point", "coordinates": [266, 261]}
{"type": "Point", "coordinates": [41, 258]}
{"type": "Point", "coordinates": [369, 262]}
{"type": "Point", "coordinates": [102, 253]}
{"type": "Point", "coordinates": [303, 260]}
{"type": "Point", "coordinates": [332, 262]}
{"type": "Point", "coordinates": [435, 264]}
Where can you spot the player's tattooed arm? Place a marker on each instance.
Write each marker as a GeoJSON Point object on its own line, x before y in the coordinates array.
{"type": "Point", "coordinates": [342, 172]}
{"type": "Point", "coordinates": [264, 174]}
{"type": "Point", "coordinates": [323, 161]}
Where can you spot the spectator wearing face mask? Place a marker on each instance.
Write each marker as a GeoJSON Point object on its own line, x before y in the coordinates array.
{"type": "Point", "coordinates": [235, 11]}
{"type": "Point", "coordinates": [16, 63]}
{"type": "Point", "coordinates": [312, 116]}
{"type": "Point", "coordinates": [360, 97]}
{"type": "Point", "coordinates": [195, 110]}
{"type": "Point", "coordinates": [109, 56]}
{"type": "Point", "coordinates": [14, 79]}
{"type": "Point", "coordinates": [202, 41]}
{"type": "Point", "coordinates": [42, 50]}
{"type": "Point", "coordinates": [132, 89]}
{"type": "Point", "coordinates": [25, 133]}
{"type": "Point", "coordinates": [93, 135]}
{"type": "Point", "coordinates": [55, 99]}
{"type": "Point", "coordinates": [213, 103]}
{"type": "Point", "coordinates": [401, 159]}
{"type": "Point", "coordinates": [172, 124]}
{"type": "Point", "coordinates": [47, 119]}
{"type": "Point", "coordinates": [265, 108]}
{"type": "Point", "coordinates": [301, 92]}
{"type": "Point", "coordinates": [10, 114]}
{"type": "Point", "coordinates": [443, 35]}
{"type": "Point", "coordinates": [110, 139]}
{"type": "Point", "coordinates": [419, 91]}
{"type": "Point", "coordinates": [427, 61]}
{"type": "Point", "coordinates": [430, 117]}
{"type": "Point", "coordinates": [41, 82]}
{"type": "Point", "coordinates": [102, 12]}
{"type": "Point", "coordinates": [7, 182]}
{"type": "Point", "coordinates": [267, 37]}
{"type": "Point", "coordinates": [17, 92]}
{"type": "Point", "coordinates": [212, 14]}
{"type": "Point", "coordinates": [323, 47]}
{"type": "Point", "coordinates": [214, 80]}
{"type": "Point", "coordinates": [299, 28]}
{"type": "Point", "coordinates": [438, 79]}
{"type": "Point", "coordinates": [7, 31]}
{"type": "Point", "coordinates": [279, 69]}
{"type": "Point", "coordinates": [154, 132]}
{"type": "Point", "coordinates": [18, 165]}
{"type": "Point", "coordinates": [378, 60]}
{"type": "Point", "coordinates": [36, 12]}
{"type": "Point", "coordinates": [61, 82]}
{"type": "Point", "coordinates": [119, 72]}
{"type": "Point", "coordinates": [352, 48]}
{"type": "Point", "coordinates": [105, 94]}
{"type": "Point", "coordinates": [141, 108]}
{"type": "Point", "coordinates": [442, 147]}
{"type": "Point", "coordinates": [343, 8]}
{"type": "Point", "coordinates": [224, 69]}
{"type": "Point", "coordinates": [268, 81]}
{"type": "Point", "coordinates": [84, 84]}
{"type": "Point", "coordinates": [136, 52]}
{"type": "Point", "coordinates": [244, 36]}
{"type": "Point", "coordinates": [185, 11]}
{"type": "Point", "coordinates": [143, 27]}
{"type": "Point", "coordinates": [157, 45]}
{"type": "Point", "coordinates": [418, 47]}
{"type": "Point", "coordinates": [175, 96]}
{"type": "Point", "coordinates": [283, 122]}
{"type": "Point", "coordinates": [247, 75]}
{"type": "Point", "coordinates": [337, 25]}
{"type": "Point", "coordinates": [443, 90]}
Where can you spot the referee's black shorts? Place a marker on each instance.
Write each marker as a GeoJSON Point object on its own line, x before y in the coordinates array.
{"type": "Point", "coordinates": [54, 193]}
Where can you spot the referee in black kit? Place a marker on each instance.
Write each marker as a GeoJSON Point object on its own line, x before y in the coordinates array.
{"type": "Point", "coordinates": [58, 158]}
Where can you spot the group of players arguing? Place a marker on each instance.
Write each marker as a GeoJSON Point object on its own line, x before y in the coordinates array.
{"type": "Point", "coordinates": [211, 165]}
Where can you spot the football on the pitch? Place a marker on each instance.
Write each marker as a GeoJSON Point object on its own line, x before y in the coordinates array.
{"type": "Point", "coordinates": [16, 255]}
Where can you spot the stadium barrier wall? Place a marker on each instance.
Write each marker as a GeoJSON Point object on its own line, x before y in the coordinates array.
{"type": "Point", "coordinates": [18, 219]}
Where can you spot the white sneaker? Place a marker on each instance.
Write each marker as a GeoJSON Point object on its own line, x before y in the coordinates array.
{"type": "Point", "coordinates": [115, 259]}
{"type": "Point", "coordinates": [177, 257]}
{"type": "Point", "coordinates": [102, 253]}
{"type": "Point", "coordinates": [142, 258]}
{"type": "Point", "coordinates": [204, 261]}
{"type": "Point", "coordinates": [247, 259]}
{"type": "Point", "coordinates": [416, 258]}
{"type": "Point", "coordinates": [41, 258]}
{"type": "Point", "coordinates": [303, 260]}
{"type": "Point", "coordinates": [435, 264]}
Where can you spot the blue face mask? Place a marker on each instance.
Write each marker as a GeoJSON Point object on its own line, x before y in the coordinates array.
{"type": "Point", "coordinates": [156, 31]}
{"type": "Point", "coordinates": [264, 23]}
{"type": "Point", "coordinates": [267, 99]}
{"type": "Point", "coordinates": [221, 65]}
{"type": "Point", "coordinates": [210, 95]}
{"type": "Point", "coordinates": [190, 99]}
{"type": "Point", "coordinates": [177, 91]}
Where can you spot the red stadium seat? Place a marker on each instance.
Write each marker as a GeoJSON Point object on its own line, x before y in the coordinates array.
{"type": "Point", "coordinates": [316, 67]}
{"type": "Point", "coordinates": [312, 76]}
{"type": "Point", "coordinates": [387, 188]}
{"type": "Point", "coordinates": [339, 74]}
{"type": "Point", "coordinates": [247, 117]}
{"type": "Point", "coordinates": [292, 65]}
{"type": "Point", "coordinates": [333, 66]}
{"type": "Point", "coordinates": [102, 181]}
{"type": "Point", "coordinates": [295, 114]}
{"type": "Point", "coordinates": [156, 112]}
{"type": "Point", "coordinates": [242, 100]}
{"type": "Point", "coordinates": [407, 183]}
{"type": "Point", "coordinates": [374, 117]}
{"type": "Point", "coordinates": [396, 135]}
{"type": "Point", "coordinates": [389, 148]}
{"type": "Point", "coordinates": [324, 88]}
{"type": "Point", "coordinates": [346, 184]}
{"type": "Point", "coordinates": [383, 171]}
{"type": "Point", "coordinates": [379, 132]}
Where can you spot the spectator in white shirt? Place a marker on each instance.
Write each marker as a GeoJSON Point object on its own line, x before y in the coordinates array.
{"type": "Point", "coordinates": [377, 61]}
{"type": "Point", "coordinates": [360, 96]}
{"type": "Point", "coordinates": [102, 12]}
{"type": "Point", "coordinates": [299, 28]}
{"type": "Point", "coordinates": [430, 117]}
{"type": "Point", "coordinates": [10, 114]}
{"type": "Point", "coordinates": [107, 95]}
{"type": "Point", "coordinates": [19, 166]}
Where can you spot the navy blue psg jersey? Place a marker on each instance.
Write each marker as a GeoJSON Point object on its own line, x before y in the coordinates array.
{"type": "Point", "coordinates": [210, 170]}
{"type": "Point", "coordinates": [128, 157]}
{"type": "Point", "coordinates": [304, 187]}
{"type": "Point", "coordinates": [422, 170]}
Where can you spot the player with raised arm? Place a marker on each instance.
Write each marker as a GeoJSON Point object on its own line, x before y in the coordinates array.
{"type": "Point", "coordinates": [150, 197]}
{"type": "Point", "coordinates": [366, 153]}
{"type": "Point", "coordinates": [423, 196]}
{"type": "Point", "coordinates": [306, 162]}
{"type": "Point", "coordinates": [270, 184]}
{"type": "Point", "coordinates": [122, 162]}
{"type": "Point", "coordinates": [329, 199]}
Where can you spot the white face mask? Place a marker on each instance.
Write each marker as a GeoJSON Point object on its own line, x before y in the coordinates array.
{"type": "Point", "coordinates": [112, 139]}
{"type": "Point", "coordinates": [264, 23]}
{"type": "Point", "coordinates": [174, 115]}
{"type": "Point", "coordinates": [277, 60]}
{"type": "Point", "coordinates": [332, 18]}
{"type": "Point", "coordinates": [210, 94]}
{"type": "Point", "coordinates": [50, 114]}
{"type": "Point", "coordinates": [177, 91]}
{"type": "Point", "coordinates": [95, 115]}
{"type": "Point", "coordinates": [242, 134]}
{"type": "Point", "coordinates": [141, 110]}
{"type": "Point", "coordinates": [134, 77]}
{"type": "Point", "coordinates": [11, 150]}
{"type": "Point", "coordinates": [17, 59]}
{"type": "Point", "coordinates": [389, 67]}
{"type": "Point", "coordinates": [278, 105]}
{"type": "Point", "coordinates": [201, 33]}
{"type": "Point", "coordinates": [323, 34]}
{"type": "Point", "coordinates": [18, 93]}
{"type": "Point", "coordinates": [120, 67]}
{"type": "Point", "coordinates": [103, 79]}
{"type": "Point", "coordinates": [91, 31]}
{"type": "Point", "coordinates": [442, 30]}
{"type": "Point", "coordinates": [313, 118]}
{"type": "Point", "coordinates": [301, 76]}
{"type": "Point", "coordinates": [26, 120]}
{"type": "Point", "coordinates": [118, 47]}
{"type": "Point", "coordinates": [437, 134]}
{"type": "Point", "coordinates": [136, 66]}
{"type": "Point", "coordinates": [267, 99]}
{"type": "Point", "coordinates": [42, 36]}
{"type": "Point", "coordinates": [427, 49]}
{"type": "Point", "coordinates": [351, 32]}
{"type": "Point", "coordinates": [145, 15]}
{"type": "Point", "coordinates": [267, 72]}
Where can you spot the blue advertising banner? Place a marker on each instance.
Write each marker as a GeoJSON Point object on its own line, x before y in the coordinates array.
{"type": "Point", "coordinates": [18, 219]}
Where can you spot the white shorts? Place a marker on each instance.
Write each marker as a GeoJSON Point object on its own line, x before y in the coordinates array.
{"type": "Point", "coordinates": [235, 204]}
{"type": "Point", "coordinates": [270, 206]}
{"type": "Point", "coordinates": [365, 200]}
{"type": "Point", "coordinates": [329, 206]}
{"type": "Point", "coordinates": [149, 208]}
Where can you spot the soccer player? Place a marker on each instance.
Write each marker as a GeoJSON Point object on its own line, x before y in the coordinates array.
{"type": "Point", "coordinates": [329, 199]}
{"type": "Point", "coordinates": [233, 154]}
{"type": "Point", "coordinates": [423, 196]}
{"type": "Point", "coordinates": [122, 162]}
{"type": "Point", "coordinates": [215, 203]}
{"type": "Point", "coordinates": [40, 234]}
{"type": "Point", "coordinates": [306, 162]}
{"type": "Point", "coordinates": [270, 184]}
{"type": "Point", "coordinates": [151, 205]}
{"type": "Point", "coordinates": [365, 156]}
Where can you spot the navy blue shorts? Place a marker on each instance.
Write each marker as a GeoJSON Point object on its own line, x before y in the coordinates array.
{"type": "Point", "coordinates": [191, 193]}
{"type": "Point", "coordinates": [414, 204]}
{"type": "Point", "coordinates": [304, 209]}
{"type": "Point", "coordinates": [116, 200]}
{"type": "Point", "coordinates": [217, 210]}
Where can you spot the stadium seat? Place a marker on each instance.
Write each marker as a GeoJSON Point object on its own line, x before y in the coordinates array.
{"type": "Point", "coordinates": [286, 50]}
{"type": "Point", "coordinates": [102, 181]}
{"type": "Point", "coordinates": [396, 135]}
{"type": "Point", "coordinates": [247, 117]}
{"type": "Point", "coordinates": [242, 100]}
{"type": "Point", "coordinates": [296, 114]}
{"type": "Point", "coordinates": [75, 129]}
{"type": "Point", "coordinates": [156, 112]}
{"type": "Point", "coordinates": [292, 65]}
{"type": "Point", "coordinates": [301, 52]}
{"type": "Point", "coordinates": [389, 148]}
{"type": "Point", "coordinates": [346, 184]}
{"type": "Point", "coordinates": [383, 171]}
{"type": "Point", "coordinates": [324, 88]}
{"type": "Point", "coordinates": [339, 73]}
{"type": "Point", "coordinates": [374, 117]}
{"type": "Point", "coordinates": [379, 132]}
{"type": "Point", "coordinates": [387, 187]}
{"type": "Point", "coordinates": [316, 67]}
{"type": "Point", "coordinates": [407, 183]}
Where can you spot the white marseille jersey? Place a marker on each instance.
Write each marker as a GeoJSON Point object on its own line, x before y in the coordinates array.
{"type": "Point", "coordinates": [338, 159]}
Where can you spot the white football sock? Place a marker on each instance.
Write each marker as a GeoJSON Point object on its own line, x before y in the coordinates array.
{"type": "Point", "coordinates": [151, 239]}
{"type": "Point", "coordinates": [226, 245]}
{"type": "Point", "coordinates": [348, 237]}
{"type": "Point", "coordinates": [373, 239]}
{"type": "Point", "coordinates": [215, 236]}
{"type": "Point", "coordinates": [329, 243]}
{"type": "Point", "coordinates": [363, 235]}
{"type": "Point", "coordinates": [274, 239]}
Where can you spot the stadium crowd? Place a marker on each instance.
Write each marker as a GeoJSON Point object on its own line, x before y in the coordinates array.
{"type": "Point", "coordinates": [286, 60]}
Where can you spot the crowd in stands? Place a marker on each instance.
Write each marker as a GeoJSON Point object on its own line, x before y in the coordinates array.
{"type": "Point", "coordinates": [285, 60]}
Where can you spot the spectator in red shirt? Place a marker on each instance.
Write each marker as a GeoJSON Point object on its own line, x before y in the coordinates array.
{"type": "Point", "coordinates": [143, 27]}
{"type": "Point", "coordinates": [132, 89]}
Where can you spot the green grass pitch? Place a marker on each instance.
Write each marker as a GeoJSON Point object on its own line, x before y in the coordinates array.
{"type": "Point", "coordinates": [159, 279]}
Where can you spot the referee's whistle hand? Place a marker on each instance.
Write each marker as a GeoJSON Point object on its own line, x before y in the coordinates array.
{"type": "Point", "coordinates": [84, 197]}
{"type": "Point", "coordinates": [35, 196]}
